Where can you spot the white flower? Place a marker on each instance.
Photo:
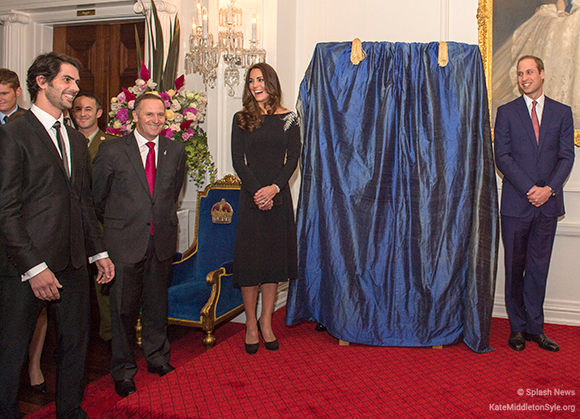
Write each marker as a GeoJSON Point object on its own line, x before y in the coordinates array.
{"type": "Point", "coordinates": [117, 124]}
{"type": "Point", "coordinates": [189, 95]}
{"type": "Point", "coordinates": [175, 105]}
{"type": "Point", "coordinates": [131, 104]}
{"type": "Point", "coordinates": [175, 127]}
{"type": "Point", "coordinates": [178, 118]}
{"type": "Point", "coordinates": [151, 84]}
{"type": "Point", "coordinates": [115, 106]}
{"type": "Point", "coordinates": [139, 82]}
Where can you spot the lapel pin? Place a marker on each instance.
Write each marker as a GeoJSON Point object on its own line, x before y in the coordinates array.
{"type": "Point", "coordinates": [165, 153]}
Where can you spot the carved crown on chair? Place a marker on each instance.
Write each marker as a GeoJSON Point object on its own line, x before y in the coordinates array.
{"type": "Point", "coordinates": [221, 212]}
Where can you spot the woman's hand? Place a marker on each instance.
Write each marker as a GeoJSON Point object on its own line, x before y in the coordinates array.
{"type": "Point", "coordinates": [266, 206]}
{"type": "Point", "coordinates": [264, 195]}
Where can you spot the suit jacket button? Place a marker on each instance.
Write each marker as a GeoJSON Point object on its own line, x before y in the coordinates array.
{"type": "Point", "coordinates": [538, 160]}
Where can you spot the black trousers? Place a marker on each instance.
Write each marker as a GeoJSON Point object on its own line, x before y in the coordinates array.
{"type": "Point", "coordinates": [139, 285]}
{"type": "Point", "coordinates": [19, 310]}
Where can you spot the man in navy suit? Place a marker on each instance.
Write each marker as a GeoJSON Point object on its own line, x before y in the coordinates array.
{"type": "Point", "coordinates": [136, 183]}
{"type": "Point", "coordinates": [534, 150]}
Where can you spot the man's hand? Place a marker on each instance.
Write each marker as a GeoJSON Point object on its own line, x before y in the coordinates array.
{"type": "Point", "coordinates": [106, 270]}
{"type": "Point", "coordinates": [539, 196]}
{"type": "Point", "coordinates": [45, 286]}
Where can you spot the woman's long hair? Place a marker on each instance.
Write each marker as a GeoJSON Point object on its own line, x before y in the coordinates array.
{"type": "Point", "coordinates": [250, 117]}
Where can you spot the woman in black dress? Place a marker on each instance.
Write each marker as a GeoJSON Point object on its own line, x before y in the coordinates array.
{"type": "Point", "coordinates": [265, 152]}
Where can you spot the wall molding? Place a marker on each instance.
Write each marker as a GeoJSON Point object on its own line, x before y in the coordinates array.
{"type": "Point", "coordinates": [556, 311]}
{"type": "Point", "coordinates": [142, 7]}
{"type": "Point", "coordinates": [15, 17]}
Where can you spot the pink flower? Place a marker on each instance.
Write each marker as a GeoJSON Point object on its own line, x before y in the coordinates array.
{"type": "Point", "coordinates": [179, 82]}
{"type": "Point", "coordinates": [167, 133]}
{"type": "Point", "coordinates": [165, 97]}
{"type": "Point", "coordinates": [186, 124]}
{"type": "Point", "coordinates": [123, 115]}
{"type": "Point", "coordinates": [128, 95]}
{"type": "Point", "coordinates": [144, 73]}
{"type": "Point", "coordinates": [186, 135]}
{"type": "Point", "coordinates": [114, 131]}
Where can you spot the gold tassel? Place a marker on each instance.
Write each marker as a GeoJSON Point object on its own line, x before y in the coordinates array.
{"type": "Point", "coordinates": [357, 53]}
{"type": "Point", "coordinates": [443, 54]}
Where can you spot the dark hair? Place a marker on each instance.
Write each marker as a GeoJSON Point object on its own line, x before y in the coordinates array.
{"type": "Point", "coordinates": [250, 117]}
{"type": "Point", "coordinates": [10, 78]}
{"type": "Point", "coordinates": [146, 96]}
{"type": "Point", "coordinates": [48, 66]}
{"type": "Point", "coordinates": [539, 62]}
{"type": "Point", "coordinates": [90, 96]}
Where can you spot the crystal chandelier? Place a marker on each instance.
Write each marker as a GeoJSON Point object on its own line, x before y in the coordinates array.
{"type": "Point", "coordinates": [204, 55]}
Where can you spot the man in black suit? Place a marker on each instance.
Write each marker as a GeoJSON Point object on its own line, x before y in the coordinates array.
{"type": "Point", "coordinates": [534, 150]}
{"type": "Point", "coordinates": [10, 91]}
{"type": "Point", "coordinates": [136, 184]}
{"type": "Point", "coordinates": [47, 228]}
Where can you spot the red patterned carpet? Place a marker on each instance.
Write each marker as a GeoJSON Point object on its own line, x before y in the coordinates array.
{"type": "Point", "coordinates": [312, 377]}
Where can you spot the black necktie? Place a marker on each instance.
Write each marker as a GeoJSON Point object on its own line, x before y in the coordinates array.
{"type": "Point", "coordinates": [60, 142]}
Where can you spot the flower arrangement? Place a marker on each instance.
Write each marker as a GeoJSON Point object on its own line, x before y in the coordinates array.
{"type": "Point", "coordinates": [184, 111]}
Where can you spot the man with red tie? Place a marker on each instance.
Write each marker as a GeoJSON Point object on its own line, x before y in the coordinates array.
{"type": "Point", "coordinates": [136, 183]}
{"type": "Point", "coordinates": [534, 150]}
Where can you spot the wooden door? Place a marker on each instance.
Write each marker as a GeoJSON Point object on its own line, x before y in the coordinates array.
{"type": "Point", "coordinates": [108, 54]}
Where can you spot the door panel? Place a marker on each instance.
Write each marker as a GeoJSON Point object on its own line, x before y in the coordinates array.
{"type": "Point", "coordinates": [108, 54]}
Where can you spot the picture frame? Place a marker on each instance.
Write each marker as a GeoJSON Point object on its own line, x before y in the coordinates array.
{"type": "Point", "coordinates": [486, 31]}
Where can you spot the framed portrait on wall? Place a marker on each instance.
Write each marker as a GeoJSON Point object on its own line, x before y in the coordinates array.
{"type": "Point", "coordinates": [549, 29]}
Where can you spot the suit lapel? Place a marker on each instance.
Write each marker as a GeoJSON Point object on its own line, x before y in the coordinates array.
{"type": "Point", "coordinates": [546, 119]}
{"type": "Point", "coordinates": [41, 133]}
{"type": "Point", "coordinates": [75, 153]}
{"type": "Point", "coordinates": [161, 162]}
{"type": "Point", "coordinates": [134, 155]}
{"type": "Point", "coordinates": [524, 113]}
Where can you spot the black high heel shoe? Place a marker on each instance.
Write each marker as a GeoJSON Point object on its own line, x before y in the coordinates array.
{"type": "Point", "coordinates": [252, 348]}
{"type": "Point", "coordinates": [271, 346]}
{"type": "Point", "coordinates": [39, 387]}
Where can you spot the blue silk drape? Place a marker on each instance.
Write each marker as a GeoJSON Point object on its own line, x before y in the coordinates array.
{"type": "Point", "coordinates": [398, 214]}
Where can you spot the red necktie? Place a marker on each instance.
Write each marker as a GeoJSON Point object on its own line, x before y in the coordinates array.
{"type": "Point", "coordinates": [535, 121]}
{"type": "Point", "coordinates": [150, 170]}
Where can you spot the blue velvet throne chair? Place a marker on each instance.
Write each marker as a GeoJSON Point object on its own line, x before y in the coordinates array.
{"type": "Point", "coordinates": [201, 293]}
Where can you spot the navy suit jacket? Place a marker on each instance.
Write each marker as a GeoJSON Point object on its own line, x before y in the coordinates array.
{"type": "Point", "coordinates": [525, 163]}
{"type": "Point", "coordinates": [124, 203]}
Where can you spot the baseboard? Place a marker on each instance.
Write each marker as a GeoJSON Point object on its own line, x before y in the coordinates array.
{"type": "Point", "coordinates": [555, 311]}
{"type": "Point", "coordinates": [280, 302]}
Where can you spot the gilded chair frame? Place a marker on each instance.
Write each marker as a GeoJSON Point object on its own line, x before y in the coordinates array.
{"type": "Point", "coordinates": [208, 320]}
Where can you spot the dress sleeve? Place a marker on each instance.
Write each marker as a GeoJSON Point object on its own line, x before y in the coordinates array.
{"type": "Point", "coordinates": [292, 154]}
{"type": "Point", "coordinates": [249, 181]}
